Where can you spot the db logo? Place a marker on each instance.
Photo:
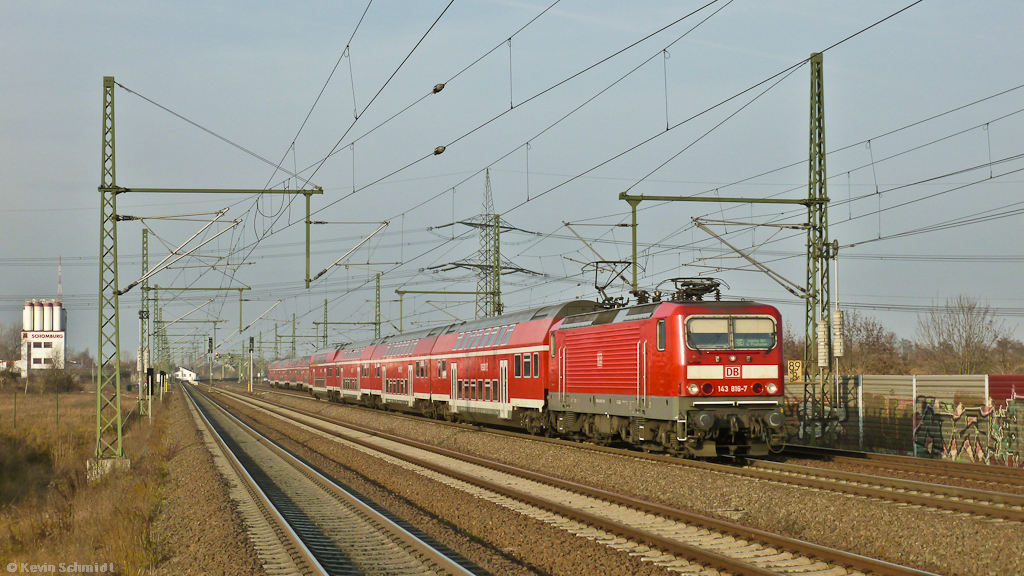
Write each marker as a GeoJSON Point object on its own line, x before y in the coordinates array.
{"type": "Point", "coordinates": [732, 371]}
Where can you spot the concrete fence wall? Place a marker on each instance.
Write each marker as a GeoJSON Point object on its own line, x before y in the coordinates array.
{"type": "Point", "coordinates": [962, 418]}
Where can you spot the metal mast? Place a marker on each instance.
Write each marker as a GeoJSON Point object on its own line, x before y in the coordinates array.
{"type": "Point", "coordinates": [144, 319]}
{"type": "Point", "coordinates": [488, 285]}
{"type": "Point", "coordinates": [144, 309]}
{"type": "Point", "coordinates": [818, 333]}
{"type": "Point", "coordinates": [108, 375]}
{"type": "Point", "coordinates": [376, 309]}
{"type": "Point", "coordinates": [162, 360]}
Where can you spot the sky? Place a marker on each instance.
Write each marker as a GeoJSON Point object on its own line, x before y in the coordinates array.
{"type": "Point", "coordinates": [563, 104]}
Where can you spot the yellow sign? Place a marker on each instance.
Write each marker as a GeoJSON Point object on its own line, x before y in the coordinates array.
{"type": "Point", "coordinates": [795, 370]}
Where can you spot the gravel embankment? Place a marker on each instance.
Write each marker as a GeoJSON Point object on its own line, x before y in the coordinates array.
{"type": "Point", "coordinates": [198, 528]}
{"type": "Point", "coordinates": [494, 538]}
{"type": "Point", "coordinates": [936, 541]}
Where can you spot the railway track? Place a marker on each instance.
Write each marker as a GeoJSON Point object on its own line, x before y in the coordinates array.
{"type": "Point", "coordinates": [989, 504]}
{"type": "Point", "coordinates": [997, 476]}
{"type": "Point", "coordinates": [666, 536]}
{"type": "Point", "coordinates": [303, 523]}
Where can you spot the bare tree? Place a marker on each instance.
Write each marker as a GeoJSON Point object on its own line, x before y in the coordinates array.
{"type": "Point", "coordinates": [10, 341]}
{"type": "Point", "coordinates": [870, 348]}
{"type": "Point", "coordinates": [959, 337]}
{"type": "Point", "coordinates": [1008, 356]}
{"type": "Point", "coordinates": [792, 346]}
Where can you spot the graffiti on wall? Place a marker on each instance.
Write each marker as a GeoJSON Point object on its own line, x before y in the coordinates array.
{"type": "Point", "coordinates": [953, 427]}
{"type": "Point", "coordinates": [984, 434]}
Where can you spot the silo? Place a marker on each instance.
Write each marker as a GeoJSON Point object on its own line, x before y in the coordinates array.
{"type": "Point", "coordinates": [58, 316]}
{"type": "Point", "coordinates": [47, 316]}
{"type": "Point", "coordinates": [37, 315]}
{"type": "Point", "coordinates": [26, 316]}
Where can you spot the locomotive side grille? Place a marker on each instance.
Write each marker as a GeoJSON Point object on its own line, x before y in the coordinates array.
{"type": "Point", "coordinates": [604, 360]}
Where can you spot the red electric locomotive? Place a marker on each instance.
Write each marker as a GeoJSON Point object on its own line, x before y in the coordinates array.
{"type": "Point", "coordinates": [688, 377]}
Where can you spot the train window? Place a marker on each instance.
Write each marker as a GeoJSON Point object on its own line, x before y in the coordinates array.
{"type": "Point", "coordinates": [536, 364]}
{"type": "Point", "coordinates": [491, 338]}
{"type": "Point", "coordinates": [458, 341]}
{"type": "Point", "coordinates": [487, 391]}
{"type": "Point", "coordinates": [477, 338]}
{"type": "Point", "coordinates": [737, 333]}
{"type": "Point", "coordinates": [439, 373]}
{"type": "Point", "coordinates": [708, 333]}
{"type": "Point", "coordinates": [551, 345]}
{"type": "Point", "coordinates": [526, 365]}
{"type": "Point", "coordinates": [377, 370]}
{"type": "Point", "coordinates": [458, 390]}
{"type": "Point", "coordinates": [753, 333]}
{"type": "Point", "coordinates": [474, 392]}
{"type": "Point", "coordinates": [661, 334]}
{"type": "Point", "coordinates": [501, 333]}
{"type": "Point", "coordinates": [444, 368]}
{"type": "Point", "coordinates": [519, 366]}
{"type": "Point", "coordinates": [507, 335]}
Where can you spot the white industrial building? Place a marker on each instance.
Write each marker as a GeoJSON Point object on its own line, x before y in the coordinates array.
{"type": "Point", "coordinates": [42, 336]}
{"type": "Point", "coordinates": [185, 375]}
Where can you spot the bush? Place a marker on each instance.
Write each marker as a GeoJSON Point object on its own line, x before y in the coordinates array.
{"type": "Point", "coordinates": [9, 378]}
{"type": "Point", "coordinates": [60, 381]}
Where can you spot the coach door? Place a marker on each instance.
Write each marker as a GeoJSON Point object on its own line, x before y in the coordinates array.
{"type": "Point", "coordinates": [505, 411]}
{"type": "Point", "coordinates": [455, 379]}
{"type": "Point", "coordinates": [359, 381]}
{"type": "Point", "coordinates": [409, 388]}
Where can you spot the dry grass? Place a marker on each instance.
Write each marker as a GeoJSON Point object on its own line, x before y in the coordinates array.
{"type": "Point", "coordinates": [49, 513]}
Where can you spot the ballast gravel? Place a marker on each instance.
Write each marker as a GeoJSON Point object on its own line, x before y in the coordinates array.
{"type": "Point", "coordinates": [932, 540]}
{"type": "Point", "coordinates": [493, 538]}
{"type": "Point", "coordinates": [197, 527]}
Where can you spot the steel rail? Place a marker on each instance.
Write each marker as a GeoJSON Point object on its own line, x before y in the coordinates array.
{"type": "Point", "coordinates": [270, 511]}
{"type": "Point", "coordinates": [966, 470]}
{"type": "Point", "coordinates": [891, 489]}
{"type": "Point", "coordinates": [441, 560]}
{"type": "Point", "coordinates": [839, 557]}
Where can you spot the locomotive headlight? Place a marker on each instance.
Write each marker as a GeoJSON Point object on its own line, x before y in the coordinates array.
{"type": "Point", "coordinates": [772, 388]}
{"type": "Point", "coordinates": [693, 389]}
{"type": "Point", "coordinates": [732, 358]}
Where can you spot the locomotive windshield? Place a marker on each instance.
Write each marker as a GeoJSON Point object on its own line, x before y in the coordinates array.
{"type": "Point", "coordinates": [730, 333]}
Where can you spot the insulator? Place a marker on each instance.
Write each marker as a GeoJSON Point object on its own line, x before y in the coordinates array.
{"type": "Point", "coordinates": [837, 332]}
{"type": "Point", "coordinates": [823, 360]}
{"type": "Point", "coordinates": [438, 150]}
{"type": "Point", "coordinates": [438, 88]}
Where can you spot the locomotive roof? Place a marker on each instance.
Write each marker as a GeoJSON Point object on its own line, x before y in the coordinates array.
{"type": "Point", "coordinates": [644, 311]}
